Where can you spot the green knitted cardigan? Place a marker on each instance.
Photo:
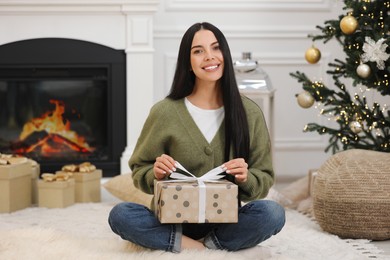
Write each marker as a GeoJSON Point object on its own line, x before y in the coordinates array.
{"type": "Point", "coordinates": [170, 129]}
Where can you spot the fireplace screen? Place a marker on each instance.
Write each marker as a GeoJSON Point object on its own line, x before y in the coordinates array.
{"type": "Point", "coordinates": [52, 114]}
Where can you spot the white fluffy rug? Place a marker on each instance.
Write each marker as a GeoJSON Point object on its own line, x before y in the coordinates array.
{"type": "Point", "coordinates": [82, 232]}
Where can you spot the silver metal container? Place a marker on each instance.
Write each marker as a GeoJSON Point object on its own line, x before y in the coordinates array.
{"type": "Point", "coordinates": [249, 75]}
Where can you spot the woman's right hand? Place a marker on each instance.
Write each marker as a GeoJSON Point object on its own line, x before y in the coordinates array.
{"type": "Point", "coordinates": [163, 166]}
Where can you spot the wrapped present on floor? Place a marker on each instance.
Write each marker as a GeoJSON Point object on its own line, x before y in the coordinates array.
{"type": "Point", "coordinates": [189, 199]}
{"type": "Point", "coordinates": [56, 191]}
{"type": "Point", "coordinates": [35, 172]}
{"type": "Point", "coordinates": [15, 183]}
{"type": "Point", "coordinates": [87, 180]}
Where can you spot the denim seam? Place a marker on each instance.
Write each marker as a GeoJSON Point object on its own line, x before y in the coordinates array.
{"type": "Point", "coordinates": [211, 241]}
{"type": "Point", "coordinates": [175, 239]}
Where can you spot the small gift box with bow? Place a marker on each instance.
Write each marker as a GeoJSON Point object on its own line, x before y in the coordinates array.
{"type": "Point", "coordinates": [189, 199]}
{"type": "Point", "coordinates": [87, 181]}
{"type": "Point", "coordinates": [56, 193]}
{"type": "Point", "coordinates": [15, 183]}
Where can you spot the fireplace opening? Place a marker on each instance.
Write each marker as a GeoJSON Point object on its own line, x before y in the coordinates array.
{"type": "Point", "coordinates": [62, 101]}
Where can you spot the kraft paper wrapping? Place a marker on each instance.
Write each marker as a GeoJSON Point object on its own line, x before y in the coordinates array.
{"type": "Point", "coordinates": [189, 199]}
{"type": "Point", "coordinates": [56, 194]}
{"type": "Point", "coordinates": [88, 186]}
{"type": "Point", "coordinates": [15, 187]}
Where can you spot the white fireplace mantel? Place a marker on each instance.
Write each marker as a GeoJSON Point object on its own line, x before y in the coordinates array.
{"type": "Point", "coordinates": [119, 24]}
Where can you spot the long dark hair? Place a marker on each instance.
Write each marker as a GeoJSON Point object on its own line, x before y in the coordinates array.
{"type": "Point", "coordinates": [236, 123]}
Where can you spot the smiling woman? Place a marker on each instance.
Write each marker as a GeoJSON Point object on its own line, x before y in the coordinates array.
{"type": "Point", "coordinates": [203, 123]}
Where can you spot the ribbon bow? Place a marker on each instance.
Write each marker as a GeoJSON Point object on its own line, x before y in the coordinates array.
{"type": "Point", "coordinates": [210, 176]}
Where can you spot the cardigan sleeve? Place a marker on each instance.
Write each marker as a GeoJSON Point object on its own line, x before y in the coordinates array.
{"type": "Point", "coordinates": [260, 169]}
{"type": "Point", "coordinates": [148, 148]}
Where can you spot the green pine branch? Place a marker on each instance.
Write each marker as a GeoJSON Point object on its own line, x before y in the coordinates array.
{"type": "Point", "coordinates": [374, 134]}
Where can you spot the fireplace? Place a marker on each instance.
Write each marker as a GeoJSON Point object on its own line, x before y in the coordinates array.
{"type": "Point", "coordinates": [63, 101]}
{"type": "Point", "coordinates": [120, 26]}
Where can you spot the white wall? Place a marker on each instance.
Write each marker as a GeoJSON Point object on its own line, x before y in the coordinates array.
{"type": "Point", "coordinates": [275, 31]}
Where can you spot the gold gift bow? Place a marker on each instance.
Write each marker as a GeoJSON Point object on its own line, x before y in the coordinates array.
{"type": "Point", "coordinates": [210, 176]}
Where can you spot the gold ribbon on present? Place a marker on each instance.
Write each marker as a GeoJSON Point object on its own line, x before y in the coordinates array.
{"type": "Point", "coordinates": [211, 176]}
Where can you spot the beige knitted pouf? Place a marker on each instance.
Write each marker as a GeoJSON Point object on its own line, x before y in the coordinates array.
{"type": "Point", "coordinates": [351, 196]}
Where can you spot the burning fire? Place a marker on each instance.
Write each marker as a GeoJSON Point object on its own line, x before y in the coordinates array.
{"type": "Point", "coordinates": [57, 133]}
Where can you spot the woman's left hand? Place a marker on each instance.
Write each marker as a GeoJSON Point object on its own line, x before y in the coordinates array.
{"type": "Point", "coordinates": [238, 168]}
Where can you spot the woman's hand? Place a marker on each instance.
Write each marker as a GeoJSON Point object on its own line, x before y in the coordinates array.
{"type": "Point", "coordinates": [163, 166]}
{"type": "Point", "coordinates": [238, 168]}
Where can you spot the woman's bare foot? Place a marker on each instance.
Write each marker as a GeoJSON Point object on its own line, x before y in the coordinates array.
{"type": "Point", "coordinates": [189, 243]}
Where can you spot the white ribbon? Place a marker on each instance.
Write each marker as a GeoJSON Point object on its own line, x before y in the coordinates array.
{"type": "Point", "coordinates": [210, 176]}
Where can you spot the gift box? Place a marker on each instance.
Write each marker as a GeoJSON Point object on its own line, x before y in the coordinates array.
{"type": "Point", "coordinates": [56, 194]}
{"type": "Point", "coordinates": [190, 202]}
{"type": "Point", "coordinates": [15, 187]}
{"type": "Point", "coordinates": [35, 172]}
{"type": "Point", "coordinates": [87, 185]}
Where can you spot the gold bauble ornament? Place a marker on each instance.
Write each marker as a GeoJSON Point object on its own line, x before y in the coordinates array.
{"type": "Point", "coordinates": [348, 24]}
{"type": "Point", "coordinates": [305, 99]}
{"type": "Point", "coordinates": [355, 127]}
{"type": "Point", "coordinates": [363, 70]}
{"type": "Point", "coordinates": [312, 55]}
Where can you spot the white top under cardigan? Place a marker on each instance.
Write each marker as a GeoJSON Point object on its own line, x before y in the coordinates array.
{"type": "Point", "coordinates": [208, 120]}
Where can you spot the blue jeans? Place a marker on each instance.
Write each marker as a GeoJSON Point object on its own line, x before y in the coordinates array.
{"type": "Point", "coordinates": [257, 221]}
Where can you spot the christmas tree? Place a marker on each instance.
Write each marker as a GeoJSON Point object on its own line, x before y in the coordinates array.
{"type": "Point", "coordinates": [363, 31]}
